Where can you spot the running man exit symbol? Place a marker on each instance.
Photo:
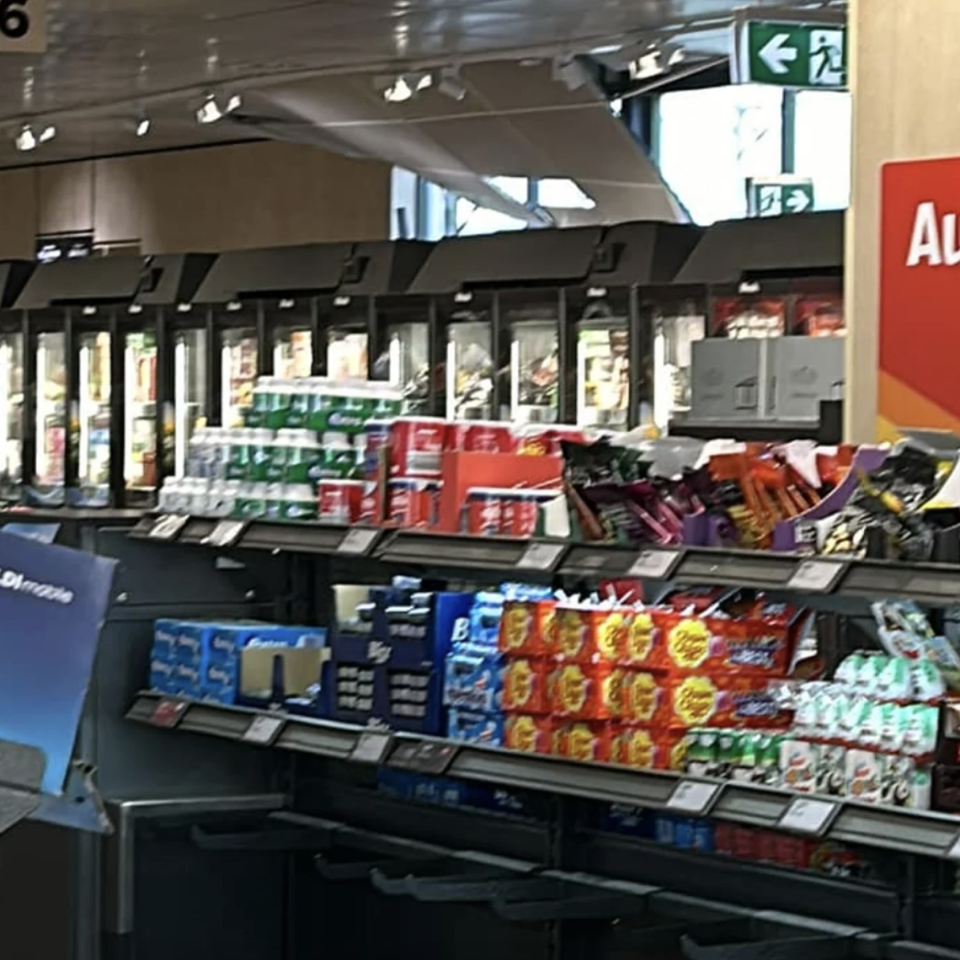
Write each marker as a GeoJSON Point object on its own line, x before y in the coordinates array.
{"type": "Point", "coordinates": [826, 58]}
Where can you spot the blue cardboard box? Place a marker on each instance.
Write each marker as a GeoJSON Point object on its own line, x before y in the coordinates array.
{"type": "Point", "coordinates": [473, 679]}
{"type": "Point", "coordinates": [484, 729]}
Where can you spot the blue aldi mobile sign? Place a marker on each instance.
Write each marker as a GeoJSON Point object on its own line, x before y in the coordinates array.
{"type": "Point", "coordinates": [52, 606]}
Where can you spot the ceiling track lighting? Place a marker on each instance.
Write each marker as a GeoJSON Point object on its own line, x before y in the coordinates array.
{"type": "Point", "coordinates": [142, 127]}
{"type": "Point", "coordinates": [405, 87]}
{"type": "Point", "coordinates": [215, 107]}
{"type": "Point", "coordinates": [26, 139]}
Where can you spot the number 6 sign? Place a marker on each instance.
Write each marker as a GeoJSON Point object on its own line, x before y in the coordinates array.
{"type": "Point", "coordinates": [23, 26]}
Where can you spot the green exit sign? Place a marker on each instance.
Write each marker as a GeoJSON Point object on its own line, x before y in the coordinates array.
{"type": "Point", "coordinates": [779, 196]}
{"type": "Point", "coordinates": [805, 55]}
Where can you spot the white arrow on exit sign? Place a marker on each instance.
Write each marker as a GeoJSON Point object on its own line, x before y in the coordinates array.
{"type": "Point", "coordinates": [776, 56]}
{"type": "Point", "coordinates": [798, 201]}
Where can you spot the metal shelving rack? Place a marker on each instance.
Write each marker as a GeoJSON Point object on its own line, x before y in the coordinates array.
{"type": "Point", "coordinates": [568, 867]}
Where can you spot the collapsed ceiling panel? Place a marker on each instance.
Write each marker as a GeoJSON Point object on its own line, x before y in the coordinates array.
{"type": "Point", "coordinates": [512, 119]}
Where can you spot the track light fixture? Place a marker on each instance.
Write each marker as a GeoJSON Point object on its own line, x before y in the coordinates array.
{"type": "Point", "coordinates": [406, 86]}
{"type": "Point", "coordinates": [215, 108]}
{"type": "Point", "coordinates": [26, 139]}
{"type": "Point", "coordinates": [143, 126]}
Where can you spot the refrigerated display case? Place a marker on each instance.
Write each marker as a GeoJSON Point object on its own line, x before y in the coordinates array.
{"type": "Point", "coordinates": [291, 325]}
{"type": "Point", "coordinates": [50, 413]}
{"type": "Point", "coordinates": [237, 327]}
{"type": "Point", "coordinates": [11, 408]}
{"type": "Point", "coordinates": [90, 411]}
{"type": "Point", "coordinates": [345, 324]}
{"type": "Point", "coordinates": [469, 350]}
{"type": "Point", "coordinates": [190, 390]}
{"type": "Point", "coordinates": [140, 413]}
{"type": "Point", "coordinates": [603, 360]}
{"type": "Point", "coordinates": [533, 366]}
{"type": "Point", "coordinates": [754, 270]}
{"type": "Point", "coordinates": [676, 329]}
{"type": "Point", "coordinates": [403, 326]}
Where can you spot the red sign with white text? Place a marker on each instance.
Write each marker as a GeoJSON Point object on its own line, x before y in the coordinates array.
{"type": "Point", "coordinates": [919, 382]}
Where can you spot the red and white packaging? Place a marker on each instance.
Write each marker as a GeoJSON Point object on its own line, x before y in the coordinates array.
{"type": "Point", "coordinates": [417, 446]}
{"type": "Point", "coordinates": [488, 436]}
{"type": "Point", "coordinates": [339, 501]}
{"type": "Point", "coordinates": [413, 502]}
{"type": "Point", "coordinates": [539, 441]}
{"type": "Point", "coordinates": [484, 511]}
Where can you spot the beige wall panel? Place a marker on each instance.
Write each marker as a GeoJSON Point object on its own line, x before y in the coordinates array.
{"type": "Point", "coordinates": [65, 192]}
{"type": "Point", "coordinates": [905, 74]}
{"type": "Point", "coordinates": [255, 195]}
{"type": "Point", "coordinates": [118, 211]}
{"type": "Point", "coordinates": [18, 219]}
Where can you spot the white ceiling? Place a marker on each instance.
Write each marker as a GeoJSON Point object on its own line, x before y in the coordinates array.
{"type": "Point", "coordinates": [306, 70]}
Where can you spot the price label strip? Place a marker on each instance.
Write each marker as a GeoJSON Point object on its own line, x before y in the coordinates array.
{"type": "Point", "coordinates": [809, 815]}
{"type": "Point", "coordinates": [168, 527]}
{"type": "Point", "coordinates": [816, 576]}
{"type": "Point", "coordinates": [695, 797]}
{"type": "Point", "coordinates": [264, 730]}
{"type": "Point", "coordinates": [371, 746]}
{"type": "Point", "coordinates": [168, 713]}
{"type": "Point", "coordinates": [226, 533]}
{"type": "Point", "coordinates": [424, 757]}
{"type": "Point", "coordinates": [541, 556]}
{"type": "Point", "coordinates": [655, 564]}
{"type": "Point", "coordinates": [357, 542]}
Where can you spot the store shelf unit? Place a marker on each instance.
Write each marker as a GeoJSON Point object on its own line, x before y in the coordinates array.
{"type": "Point", "coordinates": [922, 833]}
{"type": "Point", "coordinates": [822, 580]}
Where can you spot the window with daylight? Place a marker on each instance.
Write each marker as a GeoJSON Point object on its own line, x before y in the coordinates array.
{"type": "Point", "coordinates": [711, 141]}
{"type": "Point", "coordinates": [822, 133]}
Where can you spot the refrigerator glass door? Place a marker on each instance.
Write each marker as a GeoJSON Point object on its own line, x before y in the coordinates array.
{"type": "Point", "coordinates": [140, 411]}
{"type": "Point", "coordinates": [675, 332]}
{"type": "Point", "coordinates": [292, 353]}
{"type": "Point", "coordinates": [408, 364]}
{"type": "Point", "coordinates": [189, 391]}
{"type": "Point", "coordinates": [534, 372]}
{"type": "Point", "coordinates": [93, 449]}
{"type": "Point", "coordinates": [238, 373]}
{"type": "Point", "coordinates": [11, 415]}
{"type": "Point", "coordinates": [291, 323]}
{"type": "Point", "coordinates": [603, 374]}
{"type": "Point", "coordinates": [51, 409]}
{"type": "Point", "coordinates": [470, 370]}
{"type": "Point", "coordinates": [347, 354]}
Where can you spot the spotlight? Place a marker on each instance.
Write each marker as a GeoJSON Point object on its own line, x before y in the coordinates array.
{"type": "Point", "coordinates": [25, 139]}
{"type": "Point", "coordinates": [48, 133]}
{"type": "Point", "coordinates": [143, 127]}
{"type": "Point", "coordinates": [210, 112]}
{"type": "Point", "coordinates": [407, 86]}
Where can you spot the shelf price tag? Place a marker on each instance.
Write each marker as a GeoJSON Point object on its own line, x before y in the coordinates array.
{"type": "Point", "coordinates": [168, 527]}
{"type": "Point", "coordinates": [168, 713]}
{"type": "Point", "coordinates": [654, 564]}
{"type": "Point", "coordinates": [226, 533]}
{"type": "Point", "coordinates": [695, 797]}
{"type": "Point", "coordinates": [264, 730]}
{"type": "Point", "coordinates": [371, 746]}
{"type": "Point", "coordinates": [540, 556]}
{"type": "Point", "coordinates": [816, 576]}
{"type": "Point", "coordinates": [809, 815]}
{"type": "Point", "coordinates": [424, 756]}
{"type": "Point", "coordinates": [358, 541]}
